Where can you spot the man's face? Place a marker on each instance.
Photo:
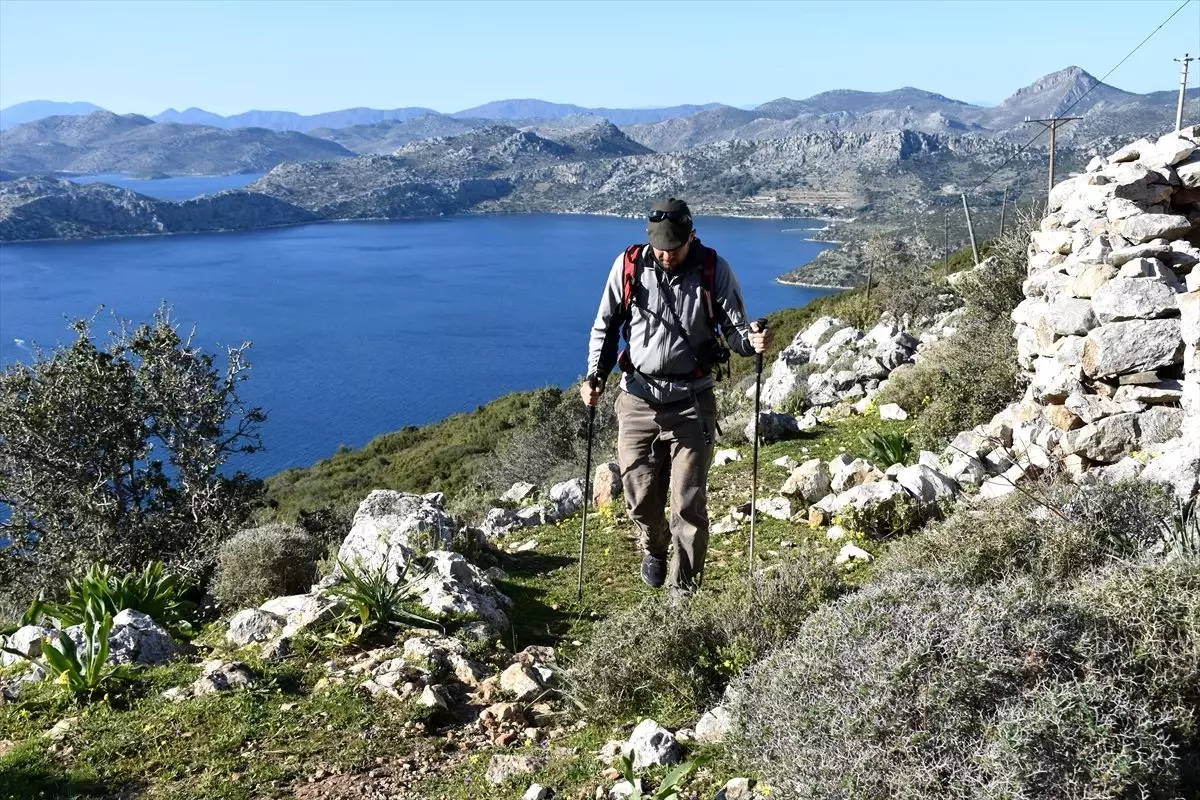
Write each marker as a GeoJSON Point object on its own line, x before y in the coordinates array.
{"type": "Point", "coordinates": [673, 258]}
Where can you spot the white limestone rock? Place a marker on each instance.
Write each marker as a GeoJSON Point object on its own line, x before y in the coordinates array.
{"type": "Point", "coordinates": [1133, 298]}
{"type": "Point", "coordinates": [1134, 346]}
{"type": "Point", "coordinates": [810, 481]}
{"type": "Point", "coordinates": [389, 526]}
{"type": "Point", "coordinates": [254, 626]}
{"type": "Point", "coordinates": [451, 584]}
{"type": "Point", "coordinates": [650, 745]}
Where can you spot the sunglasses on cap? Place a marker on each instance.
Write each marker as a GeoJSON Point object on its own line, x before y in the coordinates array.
{"type": "Point", "coordinates": [674, 216]}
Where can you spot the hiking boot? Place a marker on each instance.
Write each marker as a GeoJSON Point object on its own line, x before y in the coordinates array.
{"type": "Point", "coordinates": [654, 570]}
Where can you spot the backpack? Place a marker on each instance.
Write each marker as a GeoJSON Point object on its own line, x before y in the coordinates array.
{"type": "Point", "coordinates": [708, 288]}
{"type": "Point", "coordinates": [708, 280]}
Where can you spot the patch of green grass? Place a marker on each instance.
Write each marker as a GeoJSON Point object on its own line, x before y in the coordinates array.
{"type": "Point", "coordinates": [238, 745]}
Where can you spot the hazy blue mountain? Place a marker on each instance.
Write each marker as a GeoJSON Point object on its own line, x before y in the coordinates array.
{"type": "Point", "coordinates": [290, 121]}
{"type": "Point", "coordinates": [33, 110]}
{"type": "Point", "coordinates": [389, 135]}
{"type": "Point", "coordinates": [106, 142]}
{"type": "Point", "coordinates": [862, 102]}
{"type": "Point", "coordinates": [513, 110]}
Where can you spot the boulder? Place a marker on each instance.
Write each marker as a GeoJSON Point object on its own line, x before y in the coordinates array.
{"type": "Point", "coordinates": [852, 552]}
{"type": "Point", "coordinates": [518, 492]}
{"type": "Point", "coordinates": [773, 427]}
{"type": "Point", "coordinates": [451, 584]}
{"type": "Point", "coordinates": [1123, 255]}
{"type": "Point", "coordinates": [775, 507]}
{"type": "Point", "coordinates": [1147, 227]}
{"type": "Point", "coordinates": [1162, 392]}
{"type": "Point", "coordinates": [892, 411]}
{"type": "Point", "coordinates": [866, 497]}
{"type": "Point", "coordinates": [606, 485]}
{"type": "Point", "coordinates": [567, 497]}
{"type": "Point", "coordinates": [787, 462]}
{"type": "Point", "coordinates": [1176, 467]}
{"type": "Point", "coordinates": [1091, 278]}
{"type": "Point", "coordinates": [1133, 298]}
{"type": "Point", "coordinates": [650, 745]}
{"type": "Point", "coordinates": [1002, 484]}
{"type": "Point", "coordinates": [926, 485]}
{"type": "Point", "coordinates": [26, 640]}
{"type": "Point", "coordinates": [811, 336]}
{"type": "Point", "coordinates": [1158, 425]}
{"type": "Point", "coordinates": [726, 456]}
{"type": "Point", "coordinates": [434, 697]}
{"type": "Point", "coordinates": [300, 611]}
{"type": "Point", "coordinates": [1092, 407]}
{"type": "Point", "coordinates": [826, 353]}
{"type": "Point", "coordinates": [254, 626]}
{"type": "Point", "coordinates": [1105, 440]}
{"type": "Point", "coordinates": [713, 726]}
{"type": "Point", "coordinates": [499, 522]}
{"type": "Point", "coordinates": [810, 481]}
{"type": "Point", "coordinates": [856, 473]}
{"type": "Point", "coordinates": [138, 639]}
{"type": "Point", "coordinates": [1133, 346]}
{"type": "Point", "coordinates": [522, 682]}
{"type": "Point", "coordinates": [390, 526]}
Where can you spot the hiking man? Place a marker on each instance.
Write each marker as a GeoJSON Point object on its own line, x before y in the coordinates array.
{"type": "Point", "coordinates": [668, 299]}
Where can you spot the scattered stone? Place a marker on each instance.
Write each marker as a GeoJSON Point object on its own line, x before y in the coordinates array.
{"type": "Point", "coordinates": [723, 457]}
{"type": "Point", "coordinates": [787, 462]}
{"type": "Point", "coordinates": [1134, 346]}
{"type": "Point", "coordinates": [776, 507]}
{"type": "Point", "coordinates": [521, 682]}
{"type": "Point", "coordinates": [254, 626]}
{"type": "Point", "coordinates": [852, 552]}
{"type": "Point", "coordinates": [27, 641]}
{"type": "Point", "coordinates": [1105, 440]}
{"type": "Point", "coordinates": [537, 792]}
{"type": "Point", "coordinates": [713, 726]}
{"type": "Point", "coordinates": [451, 584]}
{"type": "Point", "coordinates": [504, 767]}
{"type": "Point", "coordinates": [62, 728]}
{"type": "Point", "coordinates": [892, 411]}
{"type": "Point", "coordinates": [810, 481]}
{"type": "Point", "coordinates": [856, 473]}
{"type": "Point", "coordinates": [223, 676]}
{"type": "Point", "coordinates": [518, 492]}
{"type": "Point", "coordinates": [650, 744]}
{"type": "Point", "coordinates": [606, 485]}
{"type": "Point", "coordinates": [567, 497]}
{"type": "Point", "coordinates": [926, 485]}
{"type": "Point", "coordinates": [434, 697]}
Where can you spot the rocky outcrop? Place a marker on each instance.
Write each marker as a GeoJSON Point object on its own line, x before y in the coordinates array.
{"type": "Point", "coordinates": [389, 527]}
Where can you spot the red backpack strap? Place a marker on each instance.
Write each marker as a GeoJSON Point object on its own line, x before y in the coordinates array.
{"type": "Point", "coordinates": [708, 285]}
{"type": "Point", "coordinates": [633, 254]}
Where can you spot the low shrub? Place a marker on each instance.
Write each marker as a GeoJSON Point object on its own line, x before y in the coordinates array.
{"type": "Point", "coordinates": [264, 562]}
{"type": "Point", "coordinates": [968, 378]}
{"type": "Point", "coordinates": [886, 448]}
{"type": "Point", "coordinates": [674, 657]}
{"type": "Point", "coordinates": [909, 689]}
{"type": "Point", "coordinates": [1051, 533]}
{"type": "Point", "coordinates": [375, 600]}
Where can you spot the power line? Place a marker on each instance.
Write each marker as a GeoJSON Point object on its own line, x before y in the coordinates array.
{"type": "Point", "coordinates": [1066, 111]}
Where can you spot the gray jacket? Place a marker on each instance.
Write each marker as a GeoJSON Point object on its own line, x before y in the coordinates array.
{"type": "Point", "coordinates": [654, 341]}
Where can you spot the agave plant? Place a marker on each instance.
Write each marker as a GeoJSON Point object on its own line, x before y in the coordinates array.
{"type": "Point", "coordinates": [376, 600]}
{"type": "Point", "coordinates": [100, 591]}
{"type": "Point", "coordinates": [886, 449]}
{"type": "Point", "coordinates": [84, 672]}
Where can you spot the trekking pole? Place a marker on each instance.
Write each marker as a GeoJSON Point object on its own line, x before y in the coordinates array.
{"type": "Point", "coordinates": [587, 499]}
{"type": "Point", "coordinates": [758, 369]}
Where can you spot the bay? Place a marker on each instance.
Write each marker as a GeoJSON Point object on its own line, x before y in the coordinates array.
{"type": "Point", "coordinates": [180, 187]}
{"type": "Point", "coordinates": [362, 328]}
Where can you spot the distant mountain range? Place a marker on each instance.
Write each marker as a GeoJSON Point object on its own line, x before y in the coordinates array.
{"type": "Point", "coordinates": [105, 142]}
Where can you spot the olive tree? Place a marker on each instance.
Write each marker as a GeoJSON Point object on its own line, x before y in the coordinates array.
{"type": "Point", "coordinates": [114, 452]}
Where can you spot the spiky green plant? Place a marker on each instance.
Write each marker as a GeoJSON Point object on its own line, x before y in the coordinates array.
{"type": "Point", "coordinates": [155, 592]}
{"type": "Point", "coordinates": [83, 673]}
{"type": "Point", "coordinates": [1181, 529]}
{"type": "Point", "coordinates": [668, 789]}
{"type": "Point", "coordinates": [375, 600]}
{"type": "Point", "coordinates": [887, 448]}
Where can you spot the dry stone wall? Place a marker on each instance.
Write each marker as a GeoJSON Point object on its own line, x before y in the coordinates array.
{"type": "Point", "coordinates": [1110, 326]}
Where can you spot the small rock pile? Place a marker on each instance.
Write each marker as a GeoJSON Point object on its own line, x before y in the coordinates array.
{"type": "Point", "coordinates": [1108, 331]}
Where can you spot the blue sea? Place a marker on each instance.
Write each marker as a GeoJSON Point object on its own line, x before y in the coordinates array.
{"type": "Point", "coordinates": [362, 328]}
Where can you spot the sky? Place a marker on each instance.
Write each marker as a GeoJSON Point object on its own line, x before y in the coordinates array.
{"type": "Point", "coordinates": [228, 57]}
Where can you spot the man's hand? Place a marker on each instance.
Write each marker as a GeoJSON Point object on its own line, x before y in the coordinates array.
{"type": "Point", "coordinates": [760, 337]}
{"type": "Point", "coordinates": [590, 391]}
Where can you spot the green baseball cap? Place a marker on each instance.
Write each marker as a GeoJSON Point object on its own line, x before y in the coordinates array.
{"type": "Point", "coordinates": [670, 224]}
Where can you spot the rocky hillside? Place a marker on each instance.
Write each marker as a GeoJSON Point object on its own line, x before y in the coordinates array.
{"type": "Point", "coordinates": [106, 142]}
{"type": "Point", "coordinates": [1106, 110]}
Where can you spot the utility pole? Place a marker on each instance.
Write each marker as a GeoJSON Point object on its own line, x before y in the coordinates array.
{"type": "Point", "coordinates": [1003, 209]}
{"type": "Point", "coordinates": [1052, 124]}
{"type": "Point", "coordinates": [946, 244]}
{"type": "Point", "coordinates": [970, 230]}
{"type": "Point", "coordinates": [1182, 90]}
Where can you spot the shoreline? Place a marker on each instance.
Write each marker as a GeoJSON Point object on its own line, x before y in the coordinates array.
{"type": "Point", "coordinates": [219, 231]}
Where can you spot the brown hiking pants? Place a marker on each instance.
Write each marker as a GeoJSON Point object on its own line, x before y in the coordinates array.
{"type": "Point", "coordinates": [661, 446]}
